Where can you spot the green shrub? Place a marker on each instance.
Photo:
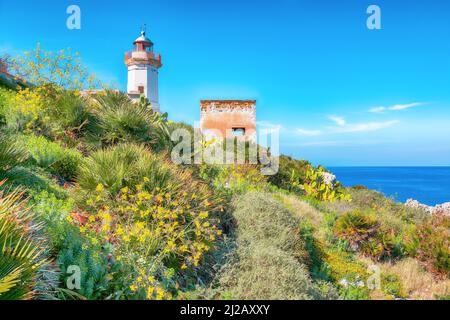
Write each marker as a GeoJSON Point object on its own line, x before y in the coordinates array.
{"type": "Point", "coordinates": [391, 285]}
{"type": "Point", "coordinates": [238, 179]}
{"type": "Point", "coordinates": [68, 165]}
{"type": "Point", "coordinates": [123, 165]}
{"type": "Point", "coordinates": [44, 153]}
{"type": "Point", "coordinates": [54, 213]}
{"type": "Point", "coordinates": [93, 263]}
{"type": "Point", "coordinates": [160, 229]}
{"type": "Point", "coordinates": [67, 116]}
{"type": "Point", "coordinates": [291, 173]}
{"type": "Point", "coordinates": [53, 157]}
{"type": "Point", "coordinates": [321, 185]}
{"type": "Point", "coordinates": [117, 120]}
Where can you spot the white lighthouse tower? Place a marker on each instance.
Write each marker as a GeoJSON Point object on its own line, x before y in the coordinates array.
{"type": "Point", "coordinates": [143, 68]}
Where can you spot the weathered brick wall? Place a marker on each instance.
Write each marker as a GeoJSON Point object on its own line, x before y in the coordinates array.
{"type": "Point", "coordinates": [224, 115]}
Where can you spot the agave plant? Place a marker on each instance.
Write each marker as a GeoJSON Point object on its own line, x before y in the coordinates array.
{"type": "Point", "coordinates": [21, 253]}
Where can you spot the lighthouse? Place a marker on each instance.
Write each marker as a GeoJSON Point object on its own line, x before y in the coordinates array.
{"type": "Point", "coordinates": [143, 66]}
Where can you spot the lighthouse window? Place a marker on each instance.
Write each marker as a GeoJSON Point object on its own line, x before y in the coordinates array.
{"type": "Point", "coordinates": [238, 132]}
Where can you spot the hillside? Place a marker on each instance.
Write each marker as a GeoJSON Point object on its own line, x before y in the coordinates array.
{"type": "Point", "coordinates": [92, 207]}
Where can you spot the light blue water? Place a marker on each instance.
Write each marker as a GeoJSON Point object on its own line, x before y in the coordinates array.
{"type": "Point", "coordinates": [429, 185]}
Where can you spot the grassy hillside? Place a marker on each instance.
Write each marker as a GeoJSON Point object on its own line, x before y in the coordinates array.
{"type": "Point", "coordinates": [89, 183]}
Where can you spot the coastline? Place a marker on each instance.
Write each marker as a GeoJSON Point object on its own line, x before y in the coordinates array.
{"type": "Point", "coordinates": [428, 185]}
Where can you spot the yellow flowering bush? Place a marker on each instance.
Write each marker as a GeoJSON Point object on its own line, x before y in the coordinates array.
{"type": "Point", "coordinates": [62, 69]}
{"type": "Point", "coordinates": [240, 178]}
{"type": "Point", "coordinates": [156, 233]}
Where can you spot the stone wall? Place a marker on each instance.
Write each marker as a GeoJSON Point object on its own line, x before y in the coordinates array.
{"type": "Point", "coordinates": [222, 116]}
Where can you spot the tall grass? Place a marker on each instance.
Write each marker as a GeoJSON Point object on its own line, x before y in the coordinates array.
{"type": "Point", "coordinates": [269, 260]}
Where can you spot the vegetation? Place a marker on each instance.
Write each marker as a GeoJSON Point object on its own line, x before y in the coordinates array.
{"type": "Point", "coordinates": [22, 253]}
{"type": "Point", "coordinates": [88, 185]}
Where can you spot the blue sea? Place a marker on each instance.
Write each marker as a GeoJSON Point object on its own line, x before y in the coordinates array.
{"type": "Point", "coordinates": [428, 185]}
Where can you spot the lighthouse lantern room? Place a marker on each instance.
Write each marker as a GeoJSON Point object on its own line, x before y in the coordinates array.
{"type": "Point", "coordinates": [143, 68]}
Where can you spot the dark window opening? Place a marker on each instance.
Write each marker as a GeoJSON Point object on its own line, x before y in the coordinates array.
{"type": "Point", "coordinates": [238, 132]}
{"type": "Point", "coordinates": [141, 89]}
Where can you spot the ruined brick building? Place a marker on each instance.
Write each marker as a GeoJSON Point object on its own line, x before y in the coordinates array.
{"type": "Point", "coordinates": [229, 118]}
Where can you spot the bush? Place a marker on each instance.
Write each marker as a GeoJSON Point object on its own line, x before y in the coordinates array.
{"type": "Point", "coordinates": [68, 165]}
{"type": "Point", "coordinates": [66, 117]}
{"type": "Point", "coordinates": [156, 216]}
{"type": "Point", "coordinates": [119, 120]}
{"type": "Point", "coordinates": [93, 262]}
{"type": "Point", "coordinates": [44, 153]}
{"type": "Point", "coordinates": [53, 157]}
{"type": "Point", "coordinates": [157, 233]}
{"type": "Point", "coordinates": [365, 233]}
{"type": "Point", "coordinates": [237, 179]}
{"type": "Point", "coordinates": [433, 240]}
{"type": "Point", "coordinates": [291, 173]}
{"type": "Point", "coordinates": [121, 166]}
{"type": "Point", "coordinates": [322, 185]}
{"type": "Point", "coordinates": [54, 214]}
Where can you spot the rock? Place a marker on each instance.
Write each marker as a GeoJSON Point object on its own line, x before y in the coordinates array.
{"type": "Point", "coordinates": [438, 209]}
{"type": "Point", "coordinates": [411, 203]}
{"type": "Point", "coordinates": [442, 209]}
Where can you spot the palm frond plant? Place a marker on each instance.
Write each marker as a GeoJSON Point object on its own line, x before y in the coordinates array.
{"type": "Point", "coordinates": [119, 166]}
{"type": "Point", "coordinates": [121, 120]}
{"type": "Point", "coordinates": [22, 254]}
{"type": "Point", "coordinates": [11, 154]}
{"type": "Point", "coordinates": [67, 116]}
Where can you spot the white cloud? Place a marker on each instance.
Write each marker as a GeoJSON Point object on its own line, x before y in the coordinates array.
{"type": "Point", "coordinates": [340, 121]}
{"type": "Point", "coordinates": [378, 109]}
{"type": "Point", "coordinates": [364, 127]}
{"type": "Point", "coordinates": [269, 125]}
{"type": "Point", "coordinates": [396, 107]}
{"type": "Point", "coordinates": [310, 133]}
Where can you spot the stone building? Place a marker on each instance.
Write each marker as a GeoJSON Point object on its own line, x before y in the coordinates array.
{"type": "Point", "coordinates": [229, 118]}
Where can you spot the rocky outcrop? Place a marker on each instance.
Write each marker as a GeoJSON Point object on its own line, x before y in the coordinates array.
{"type": "Point", "coordinates": [438, 209]}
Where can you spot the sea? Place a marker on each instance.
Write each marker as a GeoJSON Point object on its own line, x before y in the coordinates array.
{"type": "Point", "coordinates": [428, 185]}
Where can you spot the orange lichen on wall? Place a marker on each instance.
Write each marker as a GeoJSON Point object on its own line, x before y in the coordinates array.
{"type": "Point", "coordinates": [229, 118]}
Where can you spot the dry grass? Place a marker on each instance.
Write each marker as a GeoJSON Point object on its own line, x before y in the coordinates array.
{"type": "Point", "coordinates": [301, 208]}
{"type": "Point", "coordinates": [418, 283]}
{"type": "Point", "coordinates": [269, 261]}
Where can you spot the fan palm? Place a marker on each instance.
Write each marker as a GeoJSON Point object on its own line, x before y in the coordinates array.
{"type": "Point", "coordinates": [10, 153]}
{"type": "Point", "coordinates": [21, 253]}
{"type": "Point", "coordinates": [121, 120]}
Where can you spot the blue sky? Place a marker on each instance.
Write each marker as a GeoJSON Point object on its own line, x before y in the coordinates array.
{"type": "Point", "coordinates": [340, 93]}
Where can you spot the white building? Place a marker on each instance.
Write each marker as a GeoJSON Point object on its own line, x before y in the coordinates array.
{"type": "Point", "coordinates": [143, 68]}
